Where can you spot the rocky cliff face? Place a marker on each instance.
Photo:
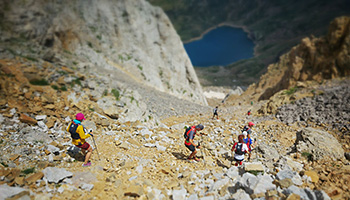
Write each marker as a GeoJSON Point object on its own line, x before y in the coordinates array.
{"type": "Point", "coordinates": [132, 39]}
{"type": "Point", "coordinates": [314, 59]}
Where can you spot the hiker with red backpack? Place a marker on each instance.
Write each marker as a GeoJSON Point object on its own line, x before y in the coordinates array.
{"type": "Point", "coordinates": [189, 136]}
{"type": "Point", "coordinates": [79, 134]}
{"type": "Point", "coordinates": [240, 148]}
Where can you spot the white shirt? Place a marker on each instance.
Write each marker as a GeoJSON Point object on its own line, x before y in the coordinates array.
{"type": "Point", "coordinates": [244, 148]}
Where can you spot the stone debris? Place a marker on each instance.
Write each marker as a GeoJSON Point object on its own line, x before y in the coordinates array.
{"type": "Point", "coordinates": [141, 146]}
{"type": "Point", "coordinates": [55, 175]}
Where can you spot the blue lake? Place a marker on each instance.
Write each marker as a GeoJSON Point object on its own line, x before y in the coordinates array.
{"type": "Point", "coordinates": [221, 46]}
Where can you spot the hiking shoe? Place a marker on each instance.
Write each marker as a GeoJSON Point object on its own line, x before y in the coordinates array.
{"type": "Point", "coordinates": [196, 159]}
{"type": "Point", "coordinates": [87, 164]}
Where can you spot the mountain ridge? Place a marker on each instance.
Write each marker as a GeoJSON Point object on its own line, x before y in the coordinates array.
{"type": "Point", "coordinates": [274, 26]}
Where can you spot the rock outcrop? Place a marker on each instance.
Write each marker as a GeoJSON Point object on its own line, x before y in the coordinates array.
{"type": "Point", "coordinates": [319, 144]}
{"type": "Point", "coordinates": [314, 59]}
{"type": "Point", "coordinates": [131, 38]}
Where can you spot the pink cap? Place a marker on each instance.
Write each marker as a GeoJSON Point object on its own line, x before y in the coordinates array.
{"type": "Point", "coordinates": [80, 117]}
{"type": "Point", "coordinates": [251, 124]}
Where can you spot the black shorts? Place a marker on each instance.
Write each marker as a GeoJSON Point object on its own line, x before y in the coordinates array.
{"type": "Point", "coordinates": [191, 147]}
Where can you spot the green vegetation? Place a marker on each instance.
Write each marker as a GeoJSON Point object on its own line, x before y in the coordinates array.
{"type": "Point", "coordinates": [140, 67]}
{"type": "Point", "coordinates": [143, 75]}
{"type": "Point", "coordinates": [62, 72]}
{"type": "Point", "coordinates": [90, 45]}
{"type": "Point", "coordinates": [290, 91]}
{"type": "Point", "coordinates": [116, 94]}
{"type": "Point", "coordinates": [307, 155]}
{"type": "Point", "coordinates": [76, 82]}
{"type": "Point", "coordinates": [66, 51]}
{"type": "Point", "coordinates": [93, 29]}
{"type": "Point", "coordinates": [124, 57]}
{"type": "Point", "coordinates": [28, 171]}
{"type": "Point", "coordinates": [168, 85]}
{"type": "Point", "coordinates": [254, 172]}
{"type": "Point", "coordinates": [55, 87]}
{"type": "Point", "coordinates": [105, 92]}
{"type": "Point", "coordinates": [125, 14]}
{"type": "Point", "coordinates": [63, 88]}
{"type": "Point", "coordinates": [39, 82]}
{"type": "Point", "coordinates": [30, 58]}
{"type": "Point", "coordinates": [132, 98]}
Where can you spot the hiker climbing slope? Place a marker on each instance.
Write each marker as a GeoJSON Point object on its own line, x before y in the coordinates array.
{"type": "Point", "coordinates": [189, 136]}
{"type": "Point", "coordinates": [251, 143]}
{"type": "Point", "coordinates": [240, 149]}
{"type": "Point", "coordinates": [248, 127]}
{"type": "Point", "coordinates": [215, 112]}
{"type": "Point", "coordinates": [247, 132]}
{"type": "Point", "coordinates": [79, 134]}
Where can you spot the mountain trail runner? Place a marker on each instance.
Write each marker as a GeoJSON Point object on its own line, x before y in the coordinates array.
{"type": "Point", "coordinates": [79, 134]}
{"type": "Point", "coordinates": [248, 127]}
{"type": "Point", "coordinates": [240, 149]}
{"type": "Point", "coordinates": [247, 132]}
{"type": "Point", "coordinates": [189, 136]}
{"type": "Point", "coordinates": [251, 143]}
{"type": "Point", "coordinates": [215, 112]}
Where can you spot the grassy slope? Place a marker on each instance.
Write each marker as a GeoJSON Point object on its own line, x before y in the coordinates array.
{"type": "Point", "coordinates": [274, 25]}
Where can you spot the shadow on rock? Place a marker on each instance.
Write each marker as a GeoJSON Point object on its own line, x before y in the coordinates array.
{"type": "Point", "coordinates": [75, 153]}
{"type": "Point", "coordinates": [179, 156]}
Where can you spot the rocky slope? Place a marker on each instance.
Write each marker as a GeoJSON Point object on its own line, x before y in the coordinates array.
{"type": "Point", "coordinates": [131, 38]}
{"type": "Point", "coordinates": [138, 160]}
{"type": "Point", "coordinates": [138, 142]}
{"type": "Point", "coordinates": [315, 59]}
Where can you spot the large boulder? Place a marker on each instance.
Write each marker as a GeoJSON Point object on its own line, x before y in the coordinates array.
{"type": "Point", "coordinates": [319, 143]}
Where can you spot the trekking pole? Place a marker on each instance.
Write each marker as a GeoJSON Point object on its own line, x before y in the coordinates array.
{"type": "Point", "coordinates": [256, 150]}
{"type": "Point", "coordinates": [95, 146]}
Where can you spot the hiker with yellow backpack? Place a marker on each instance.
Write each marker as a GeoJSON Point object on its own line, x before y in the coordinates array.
{"type": "Point", "coordinates": [79, 134]}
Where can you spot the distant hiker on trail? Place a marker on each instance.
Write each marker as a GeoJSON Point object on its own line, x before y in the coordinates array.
{"type": "Point", "coordinates": [189, 136]}
{"type": "Point", "coordinates": [79, 134]}
{"type": "Point", "coordinates": [249, 112]}
{"type": "Point", "coordinates": [215, 113]}
{"type": "Point", "coordinates": [248, 128]}
{"type": "Point", "coordinates": [240, 149]}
